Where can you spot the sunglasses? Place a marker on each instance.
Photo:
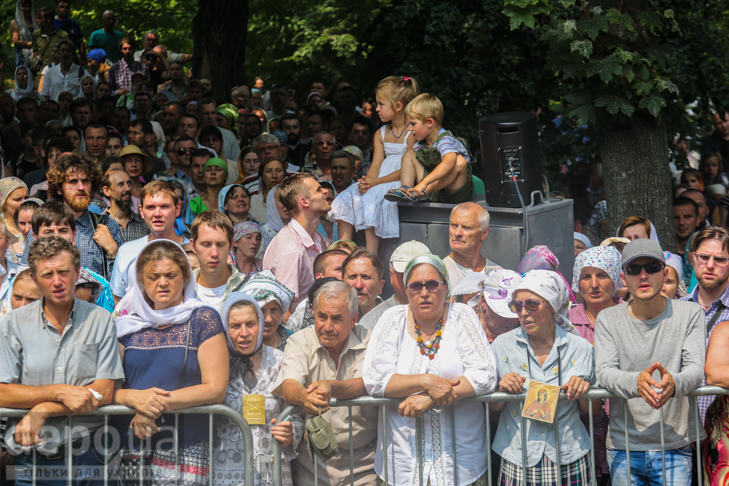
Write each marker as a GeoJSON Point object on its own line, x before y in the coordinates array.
{"type": "Point", "coordinates": [636, 268]}
{"type": "Point", "coordinates": [706, 258]}
{"type": "Point", "coordinates": [183, 151]}
{"type": "Point", "coordinates": [531, 305]}
{"type": "Point", "coordinates": [324, 142]}
{"type": "Point", "coordinates": [431, 286]}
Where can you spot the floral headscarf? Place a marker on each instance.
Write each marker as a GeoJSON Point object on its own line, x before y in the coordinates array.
{"type": "Point", "coordinates": [430, 260]}
{"type": "Point", "coordinates": [245, 228]}
{"type": "Point", "coordinates": [7, 186]}
{"type": "Point", "coordinates": [541, 258]}
{"type": "Point", "coordinates": [550, 286]}
{"type": "Point", "coordinates": [265, 288]}
{"type": "Point", "coordinates": [605, 258]}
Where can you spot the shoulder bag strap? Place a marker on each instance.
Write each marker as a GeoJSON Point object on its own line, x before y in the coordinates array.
{"type": "Point", "coordinates": [712, 322]}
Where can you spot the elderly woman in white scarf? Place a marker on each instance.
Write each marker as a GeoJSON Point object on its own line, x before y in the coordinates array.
{"type": "Point", "coordinates": [274, 299]}
{"type": "Point", "coordinates": [542, 352]}
{"type": "Point", "coordinates": [254, 368]}
{"type": "Point", "coordinates": [175, 356]}
{"type": "Point", "coordinates": [430, 353]}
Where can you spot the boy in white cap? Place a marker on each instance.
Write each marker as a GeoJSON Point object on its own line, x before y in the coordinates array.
{"type": "Point", "coordinates": [398, 260]}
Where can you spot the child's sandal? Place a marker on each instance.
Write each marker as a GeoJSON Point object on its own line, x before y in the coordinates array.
{"type": "Point", "coordinates": [399, 194]}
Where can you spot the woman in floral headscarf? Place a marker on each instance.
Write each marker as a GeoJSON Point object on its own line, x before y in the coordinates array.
{"type": "Point", "coordinates": [429, 353]}
{"type": "Point", "coordinates": [596, 277]}
{"type": "Point", "coordinates": [274, 299]}
{"type": "Point", "coordinates": [247, 237]}
{"type": "Point", "coordinates": [541, 258]}
{"type": "Point", "coordinates": [254, 368]}
{"type": "Point", "coordinates": [13, 192]}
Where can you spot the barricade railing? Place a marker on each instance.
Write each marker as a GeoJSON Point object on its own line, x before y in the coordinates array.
{"type": "Point", "coordinates": [487, 400]}
{"type": "Point", "coordinates": [110, 410]}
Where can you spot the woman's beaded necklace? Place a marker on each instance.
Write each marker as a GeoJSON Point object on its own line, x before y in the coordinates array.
{"type": "Point", "coordinates": [429, 348]}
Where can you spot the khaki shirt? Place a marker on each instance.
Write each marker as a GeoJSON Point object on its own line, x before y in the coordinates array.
{"type": "Point", "coordinates": [305, 360]}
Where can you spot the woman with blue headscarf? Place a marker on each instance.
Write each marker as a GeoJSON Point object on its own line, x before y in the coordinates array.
{"type": "Point", "coordinates": [430, 353]}
{"type": "Point", "coordinates": [254, 368]}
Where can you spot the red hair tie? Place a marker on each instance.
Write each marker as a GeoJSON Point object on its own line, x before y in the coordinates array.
{"type": "Point", "coordinates": [406, 79]}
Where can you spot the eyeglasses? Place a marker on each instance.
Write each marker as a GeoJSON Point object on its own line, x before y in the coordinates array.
{"type": "Point", "coordinates": [324, 142]}
{"type": "Point", "coordinates": [650, 268]}
{"type": "Point", "coordinates": [431, 286]}
{"type": "Point", "coordinates": [531, 305]}
{"type": "Point", "coordinates": [183, 151]}
{"type": "Point", "coordinates": [705, 259]}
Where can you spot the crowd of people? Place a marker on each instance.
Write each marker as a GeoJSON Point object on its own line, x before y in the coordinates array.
{"type": "Point", "coordinates": [178, 250]}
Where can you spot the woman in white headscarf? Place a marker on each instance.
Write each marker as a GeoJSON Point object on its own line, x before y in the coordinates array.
{"type": "Point", "coordinates": [274, 298]}
{"type": "Point", "coordinates": [277, 216]}
{"type": "Point", "coordinates": [541, 350]}
{"type": "Point", "coordinates": [21, 31]}
{"type": "Point", "coordinates": [254, 368]}
{"type": "Point", "coordinates": [24, 85]}
{"type": "Point", "coordinates": [174, 352]}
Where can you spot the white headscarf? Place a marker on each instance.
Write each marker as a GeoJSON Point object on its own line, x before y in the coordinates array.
{"type": "Point", "coordinates": [274, 219]}
{"type": "Point", "coordinates": [584, 239]}
{"type": "Point", "coordinates": [18, 92]}
{"type": "Point", "coordinates": [550, 286]}
{"type": "Point", "coordinates": [134, 314]}
{"type": "Point", "coordinates": [26, 33]}
{"type": "Point", "coordinates": [234, 298]}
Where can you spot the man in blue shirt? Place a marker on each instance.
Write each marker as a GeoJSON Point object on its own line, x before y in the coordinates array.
{"type": "Point", "coordinates": [63, 21]}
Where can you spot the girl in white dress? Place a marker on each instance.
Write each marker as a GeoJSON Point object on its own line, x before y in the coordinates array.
{"type": "Point", "coordinates": [362, 206]}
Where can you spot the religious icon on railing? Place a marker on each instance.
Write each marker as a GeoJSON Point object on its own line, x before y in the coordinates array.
{"type": "Point", "coordinates": [541, 402]}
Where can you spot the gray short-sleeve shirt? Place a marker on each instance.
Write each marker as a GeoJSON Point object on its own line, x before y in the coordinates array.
{"type": "Point", "coordinates": [33, 353]}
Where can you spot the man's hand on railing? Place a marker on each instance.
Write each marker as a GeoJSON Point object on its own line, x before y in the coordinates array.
{"type": "Point", "coordinates": [144, 427]}
{"type": "Point", "coordinates": [317, 397]}
{"type": "Point", "coordinates": [575, 388]}
{"type": "Point", "coordinates": [78, 399]}
{"type": "Point", "coordinates": [646, 385]}
{"type": "Point", "coordinates": [415, 405]}
{"type": "Point", "coordinates": [512, 383]}
{"type": "Point", "coordinates": [151, 402]}
{"type": "Point", "coordinates": [26, 432]}
{"type": "Point", "coordinates": [441, 389]}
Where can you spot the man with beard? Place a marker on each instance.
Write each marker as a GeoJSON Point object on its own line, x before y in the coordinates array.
{"type": "Point", "coordinates": [96, 137]}
{"type": "Point", "coordinates": [159, 207]}
{"type": "Point", "coordinates": [291, 126]}
{"type": "Point", "coordinates": [121, 118]}
{"type": "Point", "coordinates": [73, 179]}
{"type": "Point", "coordinates": [117, 187]}
{"type": "Point", "coordinates": [711, 266]}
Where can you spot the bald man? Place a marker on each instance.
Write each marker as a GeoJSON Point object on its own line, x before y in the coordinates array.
{"type": "Point", "coordinates": [468, 229]}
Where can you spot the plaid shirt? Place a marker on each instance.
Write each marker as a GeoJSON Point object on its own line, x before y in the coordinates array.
{"type": "Point", "coordinates": [120, 74]}
{"type": "Point", "coordinates": [92, 255]}
{"type": "Point", "coordinates": [136, 227]}
{"type": "Point", "coordinates": [705, 401]}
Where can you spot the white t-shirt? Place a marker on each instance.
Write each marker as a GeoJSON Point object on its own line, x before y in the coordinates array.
{"type": "Point", "coordinates": [214, 297]}
{"type": "Point", "coordinates": [125, 258]}
{"type": "Point", "coordinates": [456, 273]}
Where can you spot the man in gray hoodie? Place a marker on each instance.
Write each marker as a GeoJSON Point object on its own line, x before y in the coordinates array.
{"type": "Point", "coordinates": [650, 353]}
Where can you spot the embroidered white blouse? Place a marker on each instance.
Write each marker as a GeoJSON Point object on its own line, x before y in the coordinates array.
{"type": "Point", "coordinates": [464, 351]}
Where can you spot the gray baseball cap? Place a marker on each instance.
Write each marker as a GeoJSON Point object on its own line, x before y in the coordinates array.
{"type": "Point", "coordinates": [642, 248]}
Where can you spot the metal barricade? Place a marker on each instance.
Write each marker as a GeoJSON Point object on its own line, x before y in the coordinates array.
{"type": "Point", "coordinates": [487, 399]}
{"type": "Point", "coordinates": [110, 410]}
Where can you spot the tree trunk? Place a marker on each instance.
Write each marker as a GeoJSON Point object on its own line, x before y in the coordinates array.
{"type": "Point", "coordinates": [636, 172]}
{"type": "Point", "coordinates": [219, 31]}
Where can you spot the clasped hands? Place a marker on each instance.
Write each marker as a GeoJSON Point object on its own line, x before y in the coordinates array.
{"type": "Point", "coordinates": [646, 385]}
{"type": "Point", "coordinates": [438, 392]}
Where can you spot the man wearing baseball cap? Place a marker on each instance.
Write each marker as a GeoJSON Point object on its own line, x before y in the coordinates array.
{"type": "Point", "coordinates": [650, 352]}
{"type": "Point", "coordinates": [398, 260]}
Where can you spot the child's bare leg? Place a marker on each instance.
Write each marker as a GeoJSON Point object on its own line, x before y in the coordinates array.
{"type": "Point", "coordinates": [372, 241]}
{"type": "Point", "coordinates": [346, 230]}
{"type": "Point", "coordinates": [408, 169]}
{"type": "Point", "coordinates": [454, 180]}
